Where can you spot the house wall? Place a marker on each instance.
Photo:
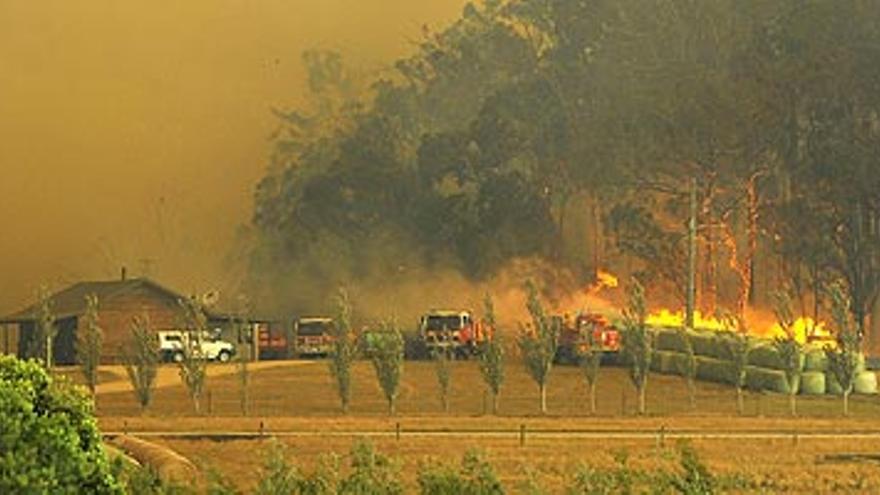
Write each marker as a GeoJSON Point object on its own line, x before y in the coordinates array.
{"type": "Point", "coordinates": [115, 318]}
{"type": "Point", "coordinates": [9, 339]}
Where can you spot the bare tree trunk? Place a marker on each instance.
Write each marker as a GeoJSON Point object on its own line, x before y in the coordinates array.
{"type": "Point", "coordinates": [392, 407]}
{"type": "Point", "coordinates": [692, 393]}
{"type": "Point", "coordinates": [846, 403]}
{"type": "Point", "coordinates": [642, 407]}
{"type": "Point", "coordinates": [792, 404]}
{"type": "Point", "coordinates": [593, 403]}
{"type": "Point", "coordinates": [740, 408]}
{"type": "Point", "coordinates": [494, 404]}
{"type": "Point", "coordinates": [543, 398]}
{"type": "Point", "coordinates": [597, 234]}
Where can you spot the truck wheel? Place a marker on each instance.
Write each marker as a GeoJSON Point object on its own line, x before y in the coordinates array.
{"type": "Point", "coordinates": [223, 357]}
{"type": "Point", "coordinates": [177, 357]}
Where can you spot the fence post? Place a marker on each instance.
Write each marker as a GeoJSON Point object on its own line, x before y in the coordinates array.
{"type": "Point", "coordinates": [661, 437]}
{"type": "Point", "coordinates": [522, 435]}
{"type": "Point", "coordinates": [397, 431]}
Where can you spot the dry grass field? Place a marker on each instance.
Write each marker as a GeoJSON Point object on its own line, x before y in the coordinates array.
{"type": "Point", "coordinates": [300, 397]}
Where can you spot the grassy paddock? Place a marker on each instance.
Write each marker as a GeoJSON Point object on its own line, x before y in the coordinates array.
{"type": "Point", "coordinates": [300, 396]}
{"type": "Point", "coordinates": [306, 389]}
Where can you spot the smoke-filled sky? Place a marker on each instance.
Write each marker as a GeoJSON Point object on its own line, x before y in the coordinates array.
{"type": "Point", "coordinates": [132, 133]}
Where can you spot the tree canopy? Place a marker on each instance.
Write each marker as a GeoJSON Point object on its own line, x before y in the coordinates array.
{"type": "Point", "coordinates": [490, 141]}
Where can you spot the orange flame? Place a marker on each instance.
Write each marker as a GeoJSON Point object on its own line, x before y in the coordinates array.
{"type": "Point", "coordinates": [804, 329]}
{"type": "Point", "coordinates": [605, 279]}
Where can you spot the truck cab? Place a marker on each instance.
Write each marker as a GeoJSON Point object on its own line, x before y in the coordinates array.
{"type": "Point", "coordinates": [314, 336]}
{"type": "Point", "coordinates": [208, 345]}
{"type": "Point", "coordinates": [453, 330]}
{"type": "Point", "coordinates": [587, 328]}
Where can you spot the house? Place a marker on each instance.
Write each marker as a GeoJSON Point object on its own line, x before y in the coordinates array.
{"type": "Point", "coordinates": [119, 301]}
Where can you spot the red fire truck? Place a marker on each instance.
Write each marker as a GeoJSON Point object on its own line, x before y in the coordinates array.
{"type": "Point", "coordinates": [575, 337]}
{"type": "Point", "coordinates": [455, 330]}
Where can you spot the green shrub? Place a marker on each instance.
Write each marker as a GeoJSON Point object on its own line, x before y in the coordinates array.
{"type": "Point", "coordinates": [475, 476]}
{"type": "Point", "coordinates": [694, 477]}
{"type": "Point", "coordinates": [371, 473]}
{"type": "Point", "coordinates": [813, 383]}
{"type": "Point", "coordinates": [49, 439]}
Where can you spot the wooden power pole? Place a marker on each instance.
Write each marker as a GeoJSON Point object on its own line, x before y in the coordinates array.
{"type": "Point", "coordinates": [692, 257]}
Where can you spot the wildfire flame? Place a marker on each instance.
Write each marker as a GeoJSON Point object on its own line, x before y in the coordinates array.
{"type": "Point", "coordinates": [804, 329]}
{"type": "Point", "coordinates": [605, 279]}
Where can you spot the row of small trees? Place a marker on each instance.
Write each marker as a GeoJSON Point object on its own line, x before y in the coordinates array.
{"type": "Point", "coordinates": [537, 342]}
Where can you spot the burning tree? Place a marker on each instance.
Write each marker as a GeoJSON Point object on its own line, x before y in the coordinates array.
{"type": "Point", "coordinates": [88, 344]}
{"type": "Point", "coordinates": [790, 350]}
{"type": "Point", "coordinates": [843, 361]}
{"type": "Point", "coordinates": [492, 355]}
{"type": "Point", "coordinates": [538, 342]}
{"type": "Point", "coordinates": [638, 341]}
{"type": "Point", "coordinates": [344, 350]}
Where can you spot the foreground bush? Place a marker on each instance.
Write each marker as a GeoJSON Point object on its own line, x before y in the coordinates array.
{"type": "Point", "coordinates": [49, 439]}
{"type": "Point", "coordinates": [475, 476]}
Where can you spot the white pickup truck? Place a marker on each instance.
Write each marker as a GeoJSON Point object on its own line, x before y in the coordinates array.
{"type": "Point", "coordinates": [210, 346]}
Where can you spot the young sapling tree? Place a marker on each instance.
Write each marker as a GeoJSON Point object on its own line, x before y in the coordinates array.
{"type": "Point", "coordinates": [491, 358]}
{"type": "Point", "coordinates": [638, 342]}
{"type": "Point", "coordinates": [843, 360]}
{"type": "Point", "coordinates": [89, 342]}
{"type": "Point", "coordinates": [538, 342]}
{"type": "Point", "coordinates": [386, 353]}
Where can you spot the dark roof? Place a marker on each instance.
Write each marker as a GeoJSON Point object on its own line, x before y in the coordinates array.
{"type": "Point", "coordinates": [72, 300]}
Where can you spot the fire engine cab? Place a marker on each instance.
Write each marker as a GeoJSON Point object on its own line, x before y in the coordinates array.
{"type": "Point", "coordinates": [454, 331]}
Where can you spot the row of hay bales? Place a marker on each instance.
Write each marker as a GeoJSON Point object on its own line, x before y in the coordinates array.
{"type": "Point", "coordinates": [765, 369]}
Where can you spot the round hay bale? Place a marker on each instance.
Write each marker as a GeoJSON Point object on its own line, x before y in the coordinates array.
{"type": "Point", "coordinates": [771, 380]}
{"type": "Point", "coordinates": [168, 464]}
{"type": "Point", "coordinates": [715, 370]}
{"type": "Point", "coordinates": [669, 340]}
{"type": "Point", "coordinates": [832, 385]}
{"type": "Point", "coordinates": [813, 383]}
{"type": "Point", "coordinates": [765, 356]}
{"type": "Point", "coordinates": [815, 360]}
{"type": "Point", "coordinates": [865, 383]}
{"type": "Point", "coordinates": [678, 363]}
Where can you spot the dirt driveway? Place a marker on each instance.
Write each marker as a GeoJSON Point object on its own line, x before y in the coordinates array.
{"type": "Point", "coordinates": [168, 374]}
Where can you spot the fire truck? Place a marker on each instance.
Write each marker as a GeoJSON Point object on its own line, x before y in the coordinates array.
{"type": "Point", "coordinates": [574, 337]}
{"type": "Point", "coordinates": [314, 336]}
{"type": "Point", "coordinates": [453, 330]}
